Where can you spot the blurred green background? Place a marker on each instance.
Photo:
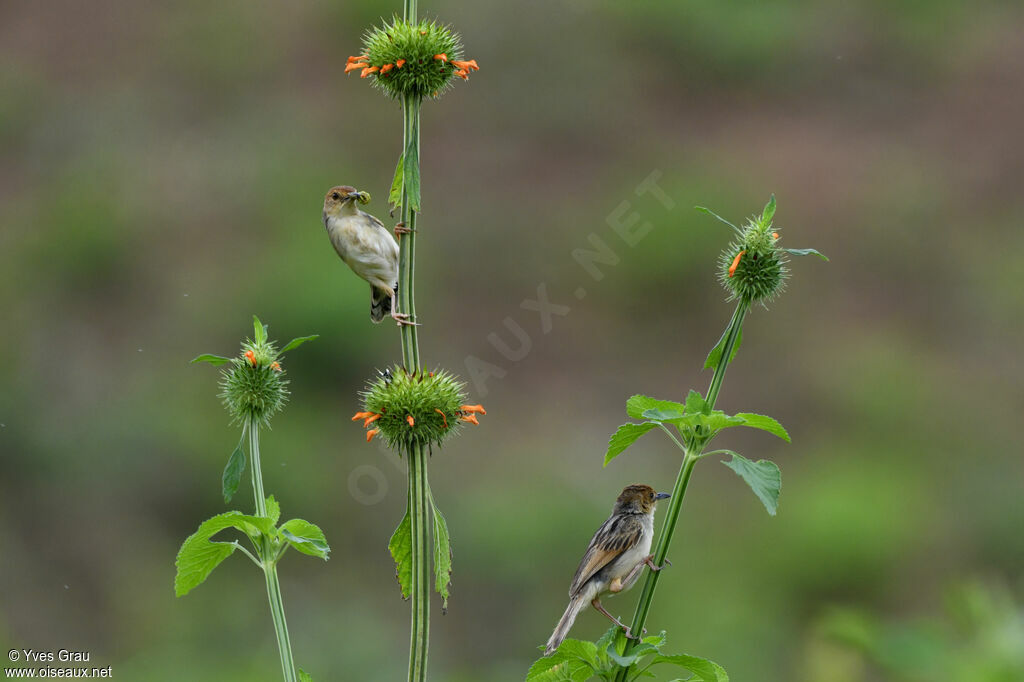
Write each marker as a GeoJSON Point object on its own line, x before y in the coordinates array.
{"type": "Point", "coordinates": [162, 168]}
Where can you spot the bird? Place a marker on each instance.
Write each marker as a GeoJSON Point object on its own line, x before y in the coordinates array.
{"type": "Point", "coordinates": [614, 559]}
{"type": "Point", "coordinates": [367, 247]}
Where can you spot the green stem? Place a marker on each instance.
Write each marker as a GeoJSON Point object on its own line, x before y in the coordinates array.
{"type": "Point", "coordinates": [419, 638]}
{"type": "Point", "coordinates": [690, 456]}
{"type": "Point", "coordinates": [269, 562]}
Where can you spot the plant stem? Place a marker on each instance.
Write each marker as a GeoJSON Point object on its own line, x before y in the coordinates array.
{"type": "Point", "coordinates": [419, 637]}
{"type": "Point", "coordinates": [690, 456]}
{"type": "Point", "coordinates": [269, 562]}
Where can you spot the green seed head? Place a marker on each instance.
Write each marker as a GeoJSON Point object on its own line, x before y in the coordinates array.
{"type": "Point", "coordinates": [753, 268]}
{"type": "Point", "coordinates": [417, 60]}
{"type": "Point", "coordinates": [416, 409]}
{"type": "Point", "coordinates": [253, 385]}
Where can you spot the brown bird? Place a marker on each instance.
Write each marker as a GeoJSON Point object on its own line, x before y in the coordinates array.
{"type": "Point", "coordinates": [614, 559]}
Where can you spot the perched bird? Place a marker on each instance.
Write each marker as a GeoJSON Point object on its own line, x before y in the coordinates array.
{"type": "Point", "coordinates": [367, 247]}
{"type": "Point", "coordinates": [614, 559]}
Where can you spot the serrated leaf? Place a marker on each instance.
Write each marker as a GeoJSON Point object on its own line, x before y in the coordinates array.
{"type": "Point", "coordinates": [212, 359]}
{"type": "Point", "coordinates": [707, 671]}
{"type": "Point", "coordinates": [295, 343]}
{"type": "Point", "coordinates": [607, 639]}
{"type": "Point", "coordinates": [442, 555]}
{"type": "Point", "coordinates": [718, 420]}
{"type": "Point", "coordinates": [555, 669]}
{"type": "Point", "coordinates": [695, 403]}
{"type": "Point", "coordinates": [259, 329]}
{"type": "Point", "coordinates": [625, 436]}
{"type": "Point", "coordinates": [807, 252]}
{"type": "Point", "coordinates": [626, 660]}
{"type": "Point", "coordinates": [637, 404]}
{"type": "Point", "coordinates": [765, 423]}
{"type": "Point", "coordinates": [578, 650]}
{"type": "Point", "coordinates": [715, 215]}
{"type": "Point", "coordinates": [304, 676]}
{"type": "Point", "coordinates": [400, 547]}
{"type": "Point", "coordinates": [306, 537]}
{"type": "Point", "coordinates": [273, 510]}
{"type": "Point", "coordinates": [763, 477]}
{"type": "Point", "coordinates": [411, 174]}
{"type": "Point", "coordinates": [395, 196]}
{"type": "Point", "coordinates": [663, 415]}
{"type": "Point", "coordinates": [769, 211]}
{"type": "Point", "coordinates": [232, 473]}
{"type": "Point", "coordinates": [199, 555]}
{"type": "Point", "coordinates": [715, 356]}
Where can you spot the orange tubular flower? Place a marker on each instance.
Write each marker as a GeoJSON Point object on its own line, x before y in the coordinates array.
{"type": "Point", "coordinates": [361, 415]}
{"type": "Point", "coordinates": [276, 366]}
{"type": "Point", "coordinates": [251, 357]}
{"type": "Point", "coordinates": [371, 434]}
{"type": "Point", "coordinates": [445, 418]}
{"type": "Point", "coordinates": [467, 65]}
{"type": "Point", "coordinates": [360, 58]}
{"type": "Point", "coordinates": [463, 74]}
{"type": "Point", "coordinates": [412, 422]}
{"type": "Point", "coordinates": [471, 418]}
{"type": "Point", "coordinates": [356, 65]}
{"type": "Point", "coordinates": [367, 71]}
{"type": "Point", "coordinates": [399, 63]}
{"type": "Point", "coordinates": [775, 235]}
{"type": "Point", "coordinates": [386, 68]}
{"type": "Point", "coordinates": [369, 420]}
{"type": "Point", "coordinates": [473, 408]}
{"type": "Point", "coordinates": [441, 57]}
{"type": "Point", "coordinates": [735, 263]}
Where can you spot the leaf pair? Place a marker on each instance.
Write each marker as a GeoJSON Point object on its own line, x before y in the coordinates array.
{"type": "Point", "coordinates": [260, 338]}
{"type": "Point", "coordinates": [200, 554]}
{"type": "Point", "coordinates": [400, 547]}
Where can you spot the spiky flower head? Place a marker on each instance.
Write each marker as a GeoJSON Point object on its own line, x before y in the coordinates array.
{"type": "Point", "coordinates": [412, 59]}
{"type": "Point", "coordinates": [753, 268]}
{"type": "Point", "coordinates": [414, 409]}
{"type": "Point", "coordinates": [252, 384]}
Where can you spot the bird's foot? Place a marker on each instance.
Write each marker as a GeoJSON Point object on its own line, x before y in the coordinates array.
{"type": "Point", "coordinates": [649, 560]}
{"type": "Point", "coordinates": [628, 632]}
{"type": "Point", "coordinates": [401, 229]}
{"type": "Point", "coordinates": [403, 320]}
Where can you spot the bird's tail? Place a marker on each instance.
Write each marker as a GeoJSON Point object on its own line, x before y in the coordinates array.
{"type": "Point", "coordinates": [380, 304]}
{"type": "Point", "coordinates": [576, 605]}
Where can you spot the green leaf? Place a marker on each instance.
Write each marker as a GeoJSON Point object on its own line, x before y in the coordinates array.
{"type": "Point", "coordinates": [554, 668]}
{"type": "Point", "coordinates": [807, 252]}
{"type": "Point", "coordinates": [273, 510]}
{"type": "Point", "coordinates": [707, 671]}
{"type": "Point", "coordinates": [212, 359]}
{"type": "Point", "coordinates": [715, 215]}
{"type": "Point", "coordinates": [306, 537]}
{"type": "Point", "coordinates": [607, 639]}
{"type": "Point", "coordinates": [442, 555]}
{"type": "Point", "coordinates": [400, 547]}
{"type": "Point", "coordinates": [662, 415]}
{"type": "Point", "coordinates": [411, 174]}
{"type": "Point", "coordinates": [233, 473]}
{"type": "Point", "coordinates": [695, 403]}
{"type": "Point", "coordinates": [717, 421]}
{"type": "Point", "coordinates": [579, 650]}
{"type": "Point", "coordinates": [625, 436]}
{"type": "Point", "coordinates": [763, 477]}
{"type": "Point", "coordinates": [769, 211]}
{"type": "Point", "coordinates": [199, 555]}
{"type": "Point", "coordinates": [304, 676]}
{"type": "Point", "coordinates": [638, 404]}
{"type": "Point", "coordinates": [395, 197]}
{"type": "Point", "coordinates": [638, 652]}
{"type": "Point", "coordinates": [295, 343]}
{"type": "Point", "coordinates": [715, 356]}
{"type": "Point", "coordinates": [765, 423]}
{"type": "Point", "coordinates": [260, 330]}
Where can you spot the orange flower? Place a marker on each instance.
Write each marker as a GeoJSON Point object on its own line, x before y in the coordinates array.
{"type": "Point", "coordinates": [735, 263]}
{"type": "Point", "coordinates": [442, 417]}
{"type": "Point", "coordinates": [367, 71]}
{"type": "Point", "coordinates": [386, 68]}
{"type": "Point", "coordinates": [441, 57]}
{"type": "Point", "coordinates": [371, 434]}
{"type": "Point", "coordinates": [473, 408]}
{"type": "Point", "coordinates": [467, 65]}
{"type": "Point", "coordinates": [369, 420]}
{"type": "Point", "coordinates": [361, 415]}
{"type": "Point", "coordinates": [399, 63]}
{"type": "Point", "coordinates": [471, 418]}
{"type": "Point", "coordinates": [276, 366]}
{"type": "Point", "coordinates": [423, 33]}
{"type": "Point", "coordinates": [775, 235]}
{"type": "Point", "coordinates": [412, 422]}
{"type": "Point", "coordinates": [360, 58]}
{"type": "Point", "coordinates": [356, 65]}
{"type": "Point", "coordinates": [251, 357]}
{"type": "Point", "coordinates": [463, 74]}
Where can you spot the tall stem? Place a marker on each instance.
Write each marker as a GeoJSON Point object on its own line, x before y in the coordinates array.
{"type": "Point", "coordinates": [269, 565]}
{"type": "Point", "coordinates": [419, 638]}
{"type": "Point", "coordinates": [690, 456]}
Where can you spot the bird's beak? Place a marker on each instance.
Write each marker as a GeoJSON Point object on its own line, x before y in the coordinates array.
{"type": "Point", "coordinates": [662, 496]}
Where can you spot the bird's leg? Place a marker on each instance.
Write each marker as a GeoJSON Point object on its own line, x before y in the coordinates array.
{"type": "Point", "coordinates": [596, 603]}
{"type": "Point", "coordinates": [401, 229]}
{"type": "Point", "coordinates": [400, 318]}
{"type": "Point", "coordinates": [620, 584]}
{"type": "Point", "coordinates": [649, 560]}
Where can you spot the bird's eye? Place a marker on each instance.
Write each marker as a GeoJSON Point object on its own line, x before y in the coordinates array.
{"type": "Point", "coordinates": [335, 196]}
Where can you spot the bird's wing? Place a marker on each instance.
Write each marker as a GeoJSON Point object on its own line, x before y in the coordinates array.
{"type": "Point", "coordinates": [619, 533]}
{"type": "Point", "coordinates": [386, 239]}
